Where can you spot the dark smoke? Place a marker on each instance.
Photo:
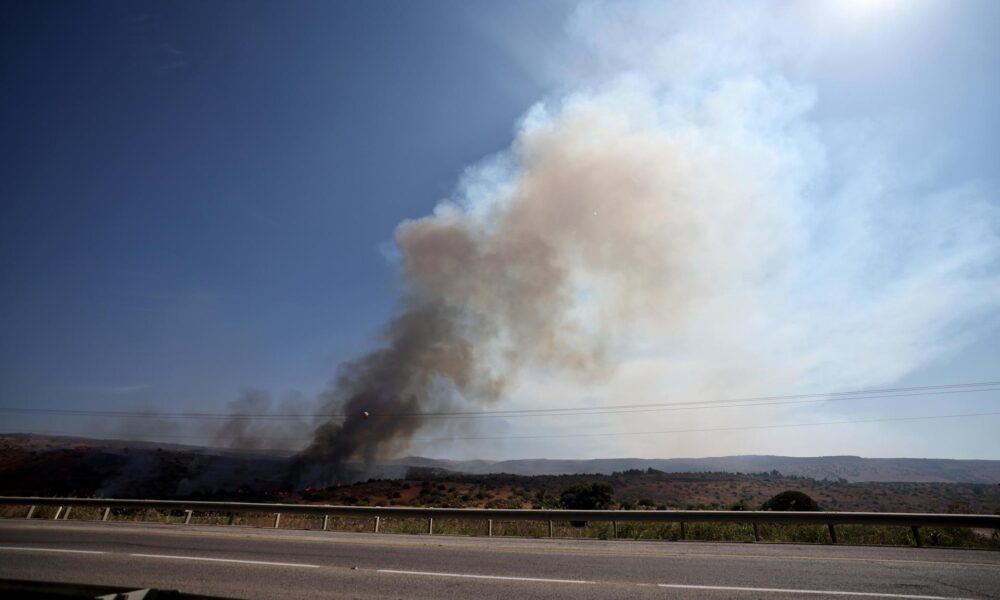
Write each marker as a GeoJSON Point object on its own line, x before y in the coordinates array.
{"type": "Point", "coordinates": [477, 305]}
{"type": "Point", "coordinates": [259, 422]}
{"type": "Point", "coordinates": [391, 386]}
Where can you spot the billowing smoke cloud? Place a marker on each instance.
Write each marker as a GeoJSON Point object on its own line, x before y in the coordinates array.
{"type": "Point", "coordinates": [681, 212]}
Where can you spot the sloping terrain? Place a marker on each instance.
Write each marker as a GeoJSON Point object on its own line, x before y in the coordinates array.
{"type": "Point", "coordinates": [851, 468]}
{"type": "Point", "coordinates": [34, 465]}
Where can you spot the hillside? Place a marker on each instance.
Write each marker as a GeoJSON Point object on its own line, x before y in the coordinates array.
{"type": "Point", "coordinates": [50, 466]}
{"type": "Point", "coordinates": [656, 489]}
{"type": "Point", "coordinates": [851, 468]}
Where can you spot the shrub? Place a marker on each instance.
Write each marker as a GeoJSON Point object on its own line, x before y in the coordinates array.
{"type": "Point", "coordinates": [790, 500]}
{"type": "Point", "coordinates": [587, 496]}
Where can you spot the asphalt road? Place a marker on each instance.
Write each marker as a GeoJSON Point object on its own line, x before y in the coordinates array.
{"type": "Point", "coordinates": [261, 563]}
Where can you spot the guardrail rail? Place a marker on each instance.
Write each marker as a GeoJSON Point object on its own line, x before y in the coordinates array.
{"type": "Point", "coordinates": [755, 518]}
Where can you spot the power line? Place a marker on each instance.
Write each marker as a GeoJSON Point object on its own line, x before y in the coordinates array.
{"type": "Point", "coordinates": [873, 394]}
{"type": "Point", "coordinates": [707, 405]}
{"type": "Point", "coordinates": [706, 430]}
{"type": "Point", "coordinates": [607, 434]}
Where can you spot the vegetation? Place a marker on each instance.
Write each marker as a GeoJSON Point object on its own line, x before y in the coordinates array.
{"type": "Point", "coordinates": [83, 471]}
{"type": "Point", "coordinates": [791, 500]}
{"type": "Point", "coordinates": [652, 490]}
{"type": "Point", "coordinates": [587, 496]}
{"type": "Point", "coordinates": [809, 534]}
{"type": "Point", "coordinates": [45, 468]}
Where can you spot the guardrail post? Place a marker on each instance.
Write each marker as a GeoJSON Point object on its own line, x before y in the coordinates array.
{"type": "Point", "coordinates": [235, 510]}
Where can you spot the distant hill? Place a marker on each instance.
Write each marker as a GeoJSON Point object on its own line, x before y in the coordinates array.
{"type": "Point", "coordinates": [22, 455]}
{"type": "Point", "coordinates": [851, 468]}
{"type": "Point", "coordinates": [62, 466]}
{"type": "Point", "coordinates": [58, 466]}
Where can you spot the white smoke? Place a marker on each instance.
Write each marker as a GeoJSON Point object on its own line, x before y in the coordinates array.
{"type": "Point", "coordinates": [681, 227]}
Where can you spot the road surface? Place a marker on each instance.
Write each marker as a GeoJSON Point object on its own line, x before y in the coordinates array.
{"type": "Point", "coordinates": [265, 563]}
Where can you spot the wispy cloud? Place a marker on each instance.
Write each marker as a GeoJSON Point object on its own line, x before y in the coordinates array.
{"type": "Point", "coordinates": [173, 58]}
{"type": "Point", "coordinates": [106, 389]}
{"type": "Point", "coordinates": [170, 301]}
{"type": "Point", "coordinates": [153, 48]}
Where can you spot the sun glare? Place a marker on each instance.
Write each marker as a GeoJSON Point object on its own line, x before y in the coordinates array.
{"type": "Point", "coordinates": [861, 9]}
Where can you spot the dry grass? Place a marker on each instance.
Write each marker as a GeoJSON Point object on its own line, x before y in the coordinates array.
{"type": "Point", "coordinates": [727, 532]}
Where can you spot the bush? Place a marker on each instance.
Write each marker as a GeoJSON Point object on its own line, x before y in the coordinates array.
{"type": "Point", "coordinates": [741, 505]}
{"type": "Point", "coordinates": [587, 496]}
{"type": "Point", "coordinates": [504, 503]}
{"type": "Point", "coordinates": [790, 500]}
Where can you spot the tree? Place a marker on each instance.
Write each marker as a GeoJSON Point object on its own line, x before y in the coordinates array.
{"type": "Point", "coordinates": [790, 500]}
{"type": "Point", "coordinates": [543, 499]}
{"type": "Point", "coordinates": [587, 496]}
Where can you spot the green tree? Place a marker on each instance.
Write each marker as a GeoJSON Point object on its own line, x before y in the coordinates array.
{"type": "Point", "coordinates": [790, 500]}
{"type": "Point", "coordinates": [543, 499]}
{"type": "Point", "coordinates": [587, 496]}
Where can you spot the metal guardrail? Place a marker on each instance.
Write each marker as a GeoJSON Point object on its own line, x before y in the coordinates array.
{"type": "Point", "coordinates": [755, 518]}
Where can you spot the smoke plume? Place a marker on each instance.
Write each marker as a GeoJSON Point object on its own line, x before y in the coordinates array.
{"type": "Point", "coordinates": [686, 220]}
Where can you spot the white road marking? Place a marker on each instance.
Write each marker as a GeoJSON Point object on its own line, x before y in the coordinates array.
{"type": "Point", "coordinates": [501, 577]}
{"type": "Point", "coordinates": [30, 549]}
{"type": "Point", "coordinates": [169, 556]}
{"type": "Point", "coordinates": [226, 560]}
{"type": "Point", "coordinates": [468, 576]}
{"type": "Point", "coordinates": [814, 592]}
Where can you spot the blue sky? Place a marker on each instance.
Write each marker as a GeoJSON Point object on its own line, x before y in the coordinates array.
{"type": "Point", "coordinates": [195, 194]}
{"type": "Point", "coordinates": [199, 198]}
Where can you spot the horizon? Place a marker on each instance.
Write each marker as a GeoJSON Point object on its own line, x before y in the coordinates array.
{"type": "Point", "coordinates": [290, 453]}
{"type": "Point", "coordinates": [124, 466]}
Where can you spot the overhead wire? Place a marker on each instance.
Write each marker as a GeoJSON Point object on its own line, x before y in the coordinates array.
{"type": "Point", "coordinates": [602, 434]}
{"type": "Point", "coordinates": [872, 394]}
{"type": "Point", "coordinates": [709, 429]}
